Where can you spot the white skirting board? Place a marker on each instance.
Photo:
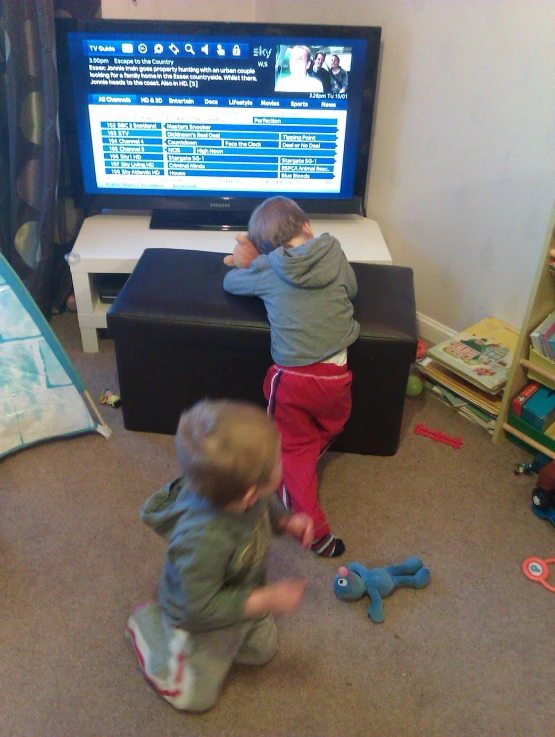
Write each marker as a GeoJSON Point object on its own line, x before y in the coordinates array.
{"type": "Point", "coordinates": [432, 331]}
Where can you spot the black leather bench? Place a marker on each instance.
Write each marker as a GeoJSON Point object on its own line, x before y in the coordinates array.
{"type": "Point", "coordinates": [180, 337]}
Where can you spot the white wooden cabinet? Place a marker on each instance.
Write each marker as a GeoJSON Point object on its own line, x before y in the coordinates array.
{"type": "Point", "coordinates": [113, 243]}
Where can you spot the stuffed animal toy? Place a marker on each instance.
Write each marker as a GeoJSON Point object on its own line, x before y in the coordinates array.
{"type": "Point", "coordinates": [244, 253]}
{"type": "Point", "coordinates": [353, 581]}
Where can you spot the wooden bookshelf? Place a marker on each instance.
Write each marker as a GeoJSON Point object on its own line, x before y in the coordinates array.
{"type": "Point", "coordinates": [540, 304]}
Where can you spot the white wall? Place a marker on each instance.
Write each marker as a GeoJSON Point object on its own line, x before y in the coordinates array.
{"type": "Point", "coordinates": [242, 10]}
{"type": "Point", "coordinates": [462, 177]}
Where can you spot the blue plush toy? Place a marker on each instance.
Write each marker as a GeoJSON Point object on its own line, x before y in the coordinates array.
{"type": "Point", "coordinates": [355, 580]}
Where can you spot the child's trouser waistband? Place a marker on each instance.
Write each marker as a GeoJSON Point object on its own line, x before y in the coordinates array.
{"type": "Point", "coordinates": [315, 369]}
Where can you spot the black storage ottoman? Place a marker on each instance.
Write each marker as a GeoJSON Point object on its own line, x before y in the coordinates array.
{"type": "Point", "coordinates": [179, 337]}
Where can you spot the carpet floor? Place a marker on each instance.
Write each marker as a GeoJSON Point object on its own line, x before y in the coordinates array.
{"type": "Point", "coordinates": [471, 654]}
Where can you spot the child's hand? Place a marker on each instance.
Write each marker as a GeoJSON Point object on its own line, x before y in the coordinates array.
{"type": "Point", "coordinates": [301, 526]}
{"type": "Point", "coordinates": [244, 253]}
{"type": "Point", "coordinates": [282, 597]}
{"type": "Point", "coordinates": [285, 596]}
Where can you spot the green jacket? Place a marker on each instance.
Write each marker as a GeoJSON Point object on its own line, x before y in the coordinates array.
{"type": "Point", "coordinates": [214, 558]}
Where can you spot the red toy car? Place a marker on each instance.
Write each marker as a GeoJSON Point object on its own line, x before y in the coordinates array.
{"type": "Point", "coordinates": [543, 496]}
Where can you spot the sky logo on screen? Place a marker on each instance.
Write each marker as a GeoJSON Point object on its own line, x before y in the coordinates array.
{"type": "Point", "coordinates": [263, 52]}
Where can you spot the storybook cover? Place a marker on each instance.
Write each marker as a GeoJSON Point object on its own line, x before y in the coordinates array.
{"type": "Point", "coordinates": [482, 353]}
{"type": "Point", "coordinates": [490, 403]}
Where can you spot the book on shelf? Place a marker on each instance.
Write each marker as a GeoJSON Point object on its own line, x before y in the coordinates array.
{"type": "Point", "coordinates": [542, 337]}
{"type": "Point", "coordinates": [482, 354]}
{"type": "Point", "coordinates": [490, 403]}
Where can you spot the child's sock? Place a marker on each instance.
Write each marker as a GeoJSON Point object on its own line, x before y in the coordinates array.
{"type": "Point", "coordinates": [328, 546]}
{"type": "Point", "coordinates": [284, 496]}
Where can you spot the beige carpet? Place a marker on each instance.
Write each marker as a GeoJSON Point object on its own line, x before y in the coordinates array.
{"type": "Point", "coordinates": [473, 654]}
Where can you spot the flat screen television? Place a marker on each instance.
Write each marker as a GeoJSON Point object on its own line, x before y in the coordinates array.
{"type": "Point", "coordinates": [201, 121]}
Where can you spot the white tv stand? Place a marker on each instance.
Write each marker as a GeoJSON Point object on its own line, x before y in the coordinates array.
{"type": "Point", "coordinates": [113, 243]}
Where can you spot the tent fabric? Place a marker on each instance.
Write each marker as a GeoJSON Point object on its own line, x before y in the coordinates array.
{"type": "Point", "coordinates": [41, 393]}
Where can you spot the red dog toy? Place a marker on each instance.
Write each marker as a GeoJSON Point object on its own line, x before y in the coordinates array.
{"type": "Point", "coordinates": [439, 437]}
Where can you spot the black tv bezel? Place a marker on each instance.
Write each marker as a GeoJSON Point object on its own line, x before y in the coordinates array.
{"type": "Point", "coordinates": [188, 210]}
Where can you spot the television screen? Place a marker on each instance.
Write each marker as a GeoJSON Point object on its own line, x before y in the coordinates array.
{"type": "Point", "coordinates": [200, 121]}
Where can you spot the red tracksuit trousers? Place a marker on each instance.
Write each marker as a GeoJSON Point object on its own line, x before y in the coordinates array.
{"type": "Point", "coordinates": [311, 405]}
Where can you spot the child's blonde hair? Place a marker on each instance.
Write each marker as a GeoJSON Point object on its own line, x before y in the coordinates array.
{"type": "Point", "coordinates": [275, 222]}
{"type": "Point", "coordinates": [225, 447]}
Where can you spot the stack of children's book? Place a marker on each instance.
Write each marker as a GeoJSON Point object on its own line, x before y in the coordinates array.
{"type": "Point", "coordinates": [469, 370]}
{"type": "Point", "coordinates": [542, 337]}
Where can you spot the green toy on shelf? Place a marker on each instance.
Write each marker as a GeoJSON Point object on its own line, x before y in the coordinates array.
{"type": "Point", "coordinates": [355, 580]}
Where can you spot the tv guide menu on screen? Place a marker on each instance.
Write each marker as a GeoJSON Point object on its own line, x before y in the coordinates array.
{"type": "Point", "coordinates": [206, 114]}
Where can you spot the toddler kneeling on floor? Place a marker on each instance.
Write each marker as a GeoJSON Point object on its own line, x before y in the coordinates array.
{"type": "Point", "coordinates": [214, 606]}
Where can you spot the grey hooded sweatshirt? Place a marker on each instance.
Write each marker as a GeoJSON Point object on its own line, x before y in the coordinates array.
{"type": "Point", "coordinates": [215, 558]}
{"type": "Point", "coordinates": [307, 291]}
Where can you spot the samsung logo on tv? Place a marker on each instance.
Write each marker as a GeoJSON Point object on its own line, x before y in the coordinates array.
{"type": "Point", "coordinates": [225, 205]}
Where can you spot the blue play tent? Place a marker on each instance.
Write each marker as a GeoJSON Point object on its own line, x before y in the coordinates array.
{"type": "Point", "coordinates": [41, 394]}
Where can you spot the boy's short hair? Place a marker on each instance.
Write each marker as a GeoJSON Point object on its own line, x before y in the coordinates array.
{"type": "Point", "coordinates": [225, 447]}
{"type": "Point", "coordinates": [275, 222]}
{"type": "Point", "coordinates": [305, 49]}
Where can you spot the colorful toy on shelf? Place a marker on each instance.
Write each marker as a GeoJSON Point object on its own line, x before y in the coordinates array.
{"type": "Point", "coordinates": [539, 409]}
{"type": "Point", "coordinates": [522, 397]}
{"type": "Point", "coordinates": [438, 436]}
{"type": "Point", "coordinates": [355, 580]}
{"type": "Point", "coordinates": [537, 569]}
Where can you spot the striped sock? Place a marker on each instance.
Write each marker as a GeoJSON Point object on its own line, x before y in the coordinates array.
{"type": "Point", "coordinates": [328, 546]}
{"type": "Point", "coordinates": [285, 498]}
